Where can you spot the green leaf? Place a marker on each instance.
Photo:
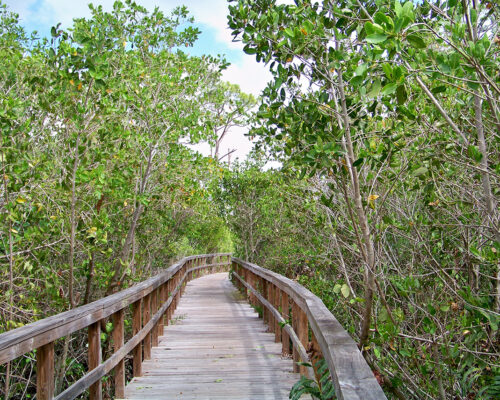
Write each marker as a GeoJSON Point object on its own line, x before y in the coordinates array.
{"type": "Point", "coordinates": [357, 80]}
{"type": "Point", "coordinates": [401, 94]}
{"type": "Point", "coordinates": [337, 288]}
{"type": "Point", "coordinates": [289, 32]}
{"type": "Point", "coordinates": [371, 29]}
{"type": "Point", "coordinates": [439, 89]}
{"type": "Point", "coordinates": [420, 171]}
{"type": "Point", "coordinates": [389, 88]}
{"type": "Point", "coordinates": [375, 90]}
{"type": "Point", "coordinates": [249, 50]}
{"type": "Point", "coordinates": [376, 38]}
{"type": "Point", "coordinates": [474, 153]}
{"type": "Point", "coordinates": [387, 70]}
{"type": "Point", "coordinates": [398, 9]}
{"type": "Point", "coordinates": [345, 290]}
{"type": "Point", "coordinates": [416, 41]}
{"type": "Point", "coordinates": [359, 161]}
{"type": "Point", "coordinates": [361, 69]}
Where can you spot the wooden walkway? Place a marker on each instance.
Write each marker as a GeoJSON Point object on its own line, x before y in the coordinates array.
{"type": "Point", "coordinates": [215, 348]}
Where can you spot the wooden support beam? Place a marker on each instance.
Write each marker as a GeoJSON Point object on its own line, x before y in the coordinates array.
{"type": "Point", "coordinates": [295, 326]}
{"type": "Point", "coordinates": [94, 355]}
{"type": "Point", "coordinates": [285, 312]}
{"type": "Point", "coordinates": [146, 316]}
{"type": "Point", "coordinates": [136, 327]}
{"type": "Point", "coordinates": [45, 372]}
{"type": "Point", "coordinates": [118, 342]}
{"type": "Point", "coordinates": [276, 304]}
{"type": "Point", "coordinates": [169, 309]}
{"type": "Point", "coordinates": [265, 312]}
{"type": "Point", "coordinates": [302, 333]}
{"type": "Point", "coordinates": [154, 309]}
{"type": "Point", "coordinates": [270, 299]}
{"type": "Point", "coordinates": [162, 299]}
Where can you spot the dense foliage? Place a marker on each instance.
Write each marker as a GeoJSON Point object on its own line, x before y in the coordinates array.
{"type": "Point", "coordinates": [389, 113]}
{"type": "Point", "coordinates": [384, 116]}
{"type": "Point", "coordinates": [99, 188]}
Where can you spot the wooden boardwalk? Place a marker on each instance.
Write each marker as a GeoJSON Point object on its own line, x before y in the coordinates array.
{"type": "Point", "coordinates": [215, 348]}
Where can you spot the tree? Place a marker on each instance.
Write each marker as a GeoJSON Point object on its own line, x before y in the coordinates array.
{"type": "Point", "coordinates": [364, 101]}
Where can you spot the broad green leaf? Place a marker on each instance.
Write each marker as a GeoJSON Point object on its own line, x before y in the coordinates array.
{"type": "Point", "coordinates": [389, 88]}
{"type": "Point", "coordinates": [361, 69]}
{"type": "Point", "coordinates": [387, 70]}
{"type": "Point", "coordinates": [376, 38]}
{"type": "Point", "coordinates": [289, 32]}
{"type": "Point", "coordinates": [398, 9]}
{"type": "Point", "coordinates": [420, 171]}
{"type": "Point", "coordinates": [375, 90]}
{"type": "Point", "coordinates": [416, 41]}
{"type": "Point", "coordinates": [401, 94]}
{"type": "Point", "coordinates": [345, 290]}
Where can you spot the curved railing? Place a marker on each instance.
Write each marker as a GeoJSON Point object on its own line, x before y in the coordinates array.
{"type": "Point", "coordinates": [153, 303]}
{"type": "Point", "coordinates": [309, 319]}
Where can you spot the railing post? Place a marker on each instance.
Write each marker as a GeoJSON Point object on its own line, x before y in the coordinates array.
{"type": "Point", "coordinates": [45, 372]}
{"type": "Point", "coordinates": [164, 298]}
{"type": "Point", "coordinates": [94, 355]}
{"type": "Point", "coordinates": [276, 304]}
{"type": "Point", "coordinates": [295, 327]}
{"type": "Point", "coordinates": [169, 309]}
{"type": "Point", "coordinates": [285, 313]}
{"type": "Point", "coordinates": [177, 295]}
{"type": "Point", "coordinates": [136, 327]}
{"type": "Point", "coordinates": [118, 341]}
{"type": "Point", "coordinates": [146, 316]}
{"type": "Point", "coordinates": [270, 299]}
{"type": "Point", "coordinates": [265, 313]}
{"type": "Point", "coordinates": [249, 280]}
{"type": "Point", "coordinates": [154, 309]}
{"type": "Point", "coordinates": [302, 330]}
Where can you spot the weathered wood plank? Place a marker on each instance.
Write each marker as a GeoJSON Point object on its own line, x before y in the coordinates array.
{"type": "Point", "coordinates": [136, 327]}
{"type": "Point", "coordinates": [118, 342]}
{"type": "Point", "coordinates": [218, 341]}
{"type": "Point", "coordinates": [45, 372]}
{"type": "Point", "coordinates": [94, 356]}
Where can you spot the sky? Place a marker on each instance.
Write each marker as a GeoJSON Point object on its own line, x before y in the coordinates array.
{"type": "Point", "coordinates": [210, 17]}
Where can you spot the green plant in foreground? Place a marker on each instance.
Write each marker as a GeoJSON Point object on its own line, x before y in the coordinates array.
{"type": "Point", "coordinates": [319, 388]}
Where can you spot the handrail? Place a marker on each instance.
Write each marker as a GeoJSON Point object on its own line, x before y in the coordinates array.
{"type": "Point", "coordinates": [351, 375]}
{"type": "Point", "coordinates": [158, 295]}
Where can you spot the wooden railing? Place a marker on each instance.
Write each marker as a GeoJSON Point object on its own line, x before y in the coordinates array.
{"type": "Point", "coordinates": [153, 303]}
{"type": "Point", "coordinates": [298, 317]}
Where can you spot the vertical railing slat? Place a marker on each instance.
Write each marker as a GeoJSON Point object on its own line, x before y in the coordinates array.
{"type": "Point", "coordinates": [94, 356]}
{"type": "Point", "coordinates": [146, 316]}
{"type": "Point", "coordinates": [45, 372]}
{"type": "Point", "coordinates": [285, 312]}
{"type": "Point", "coordinates": [136, 327]}
{"type": "Point", "coordinates": [118, 342]}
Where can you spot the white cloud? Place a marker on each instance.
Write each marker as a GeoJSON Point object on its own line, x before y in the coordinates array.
{"type": "Point", "coordinates": [250, 75]}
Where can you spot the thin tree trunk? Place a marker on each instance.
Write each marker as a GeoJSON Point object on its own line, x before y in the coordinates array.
{"type": "Point", "coordinates": [127, 245]}
{"type": "Point", "coordinates": [61, 366]}
{"type": "Point", "coordinates": [88, 286]}
{"type": "Point", "coordinates": [73, 223]}
{"type": "Point", "coordinates": [369, 275]}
